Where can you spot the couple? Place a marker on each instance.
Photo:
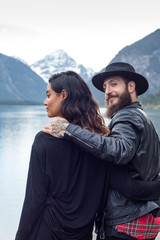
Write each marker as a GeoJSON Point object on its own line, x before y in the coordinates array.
{"type": "Point", "coordinates": [96, 175]}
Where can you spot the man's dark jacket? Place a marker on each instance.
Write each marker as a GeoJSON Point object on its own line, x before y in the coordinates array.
{"type": "Point", "coordinates": [134, 142]}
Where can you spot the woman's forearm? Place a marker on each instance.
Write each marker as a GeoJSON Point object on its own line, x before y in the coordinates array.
{"type": "Point", "coordinates": [121, 180]}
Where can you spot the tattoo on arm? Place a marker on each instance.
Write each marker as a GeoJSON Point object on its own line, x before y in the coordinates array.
{"type": "Point", "coordinates": [59, 128]}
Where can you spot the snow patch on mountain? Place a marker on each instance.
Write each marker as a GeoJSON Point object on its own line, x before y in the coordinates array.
{"type": "Point", "coordinates": [59, 61]}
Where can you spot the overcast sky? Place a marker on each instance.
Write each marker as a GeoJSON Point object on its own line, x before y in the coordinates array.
{"type": "Point", "coordinates": [90, 31]}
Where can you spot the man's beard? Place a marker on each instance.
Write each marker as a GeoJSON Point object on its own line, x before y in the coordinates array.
{"type": "Point", "coordinates": [124, 100]}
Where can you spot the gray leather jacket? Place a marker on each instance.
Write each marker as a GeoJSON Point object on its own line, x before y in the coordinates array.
{"type": "Point", "coordinates": [132, 141]}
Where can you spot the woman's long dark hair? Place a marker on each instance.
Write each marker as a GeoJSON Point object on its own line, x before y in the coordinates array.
{"type": "Point", "coordinates": [79, 107]}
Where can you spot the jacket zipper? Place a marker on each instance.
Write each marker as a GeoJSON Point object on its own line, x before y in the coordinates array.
{"type": "Point", "coordinates": [71, 135]}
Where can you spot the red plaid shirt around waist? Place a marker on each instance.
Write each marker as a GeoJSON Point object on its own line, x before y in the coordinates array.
{"type": "Point", "coordinates": [144, 227]}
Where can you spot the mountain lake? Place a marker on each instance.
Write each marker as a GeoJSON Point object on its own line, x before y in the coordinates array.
{"type": "Point", "coordinates": [18, 127]}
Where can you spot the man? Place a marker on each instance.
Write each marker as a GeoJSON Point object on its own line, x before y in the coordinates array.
{"type": "Point", "coordinates": [132, 141]}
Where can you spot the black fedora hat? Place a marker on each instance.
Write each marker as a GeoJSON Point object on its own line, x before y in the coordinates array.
{"type": "Point", "coordinates": [121, 69]}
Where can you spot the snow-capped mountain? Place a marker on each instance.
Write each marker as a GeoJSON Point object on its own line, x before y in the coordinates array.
{"type": "Point", "coordinates": [59, 61]}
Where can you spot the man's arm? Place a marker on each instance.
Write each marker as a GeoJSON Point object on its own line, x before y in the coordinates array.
{"type": "Point", "coordinates": [119, 147]}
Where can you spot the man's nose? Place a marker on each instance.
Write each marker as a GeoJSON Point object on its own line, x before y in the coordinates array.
{"type": "Point", "coordinates": [107, 90]}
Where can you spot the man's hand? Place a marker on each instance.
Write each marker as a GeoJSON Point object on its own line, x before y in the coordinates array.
{"type": "Point", "coordinates": [57, 127]}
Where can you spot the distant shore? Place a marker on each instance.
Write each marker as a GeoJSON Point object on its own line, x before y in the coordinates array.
{"type": "Point", "coordinates": [150, 106]}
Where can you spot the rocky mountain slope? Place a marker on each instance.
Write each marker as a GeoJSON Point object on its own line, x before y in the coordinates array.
{"type": "Point", "coordinates": [18, 83]}
{"type": "Point", "coordinates": [144, 55]}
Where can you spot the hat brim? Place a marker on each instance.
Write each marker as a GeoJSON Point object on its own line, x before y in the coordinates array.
{"type": "Point", "coordinates": [141, 82]}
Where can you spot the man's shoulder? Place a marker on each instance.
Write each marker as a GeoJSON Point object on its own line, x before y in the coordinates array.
{"type": "Point", "coordinates": [128, 115]}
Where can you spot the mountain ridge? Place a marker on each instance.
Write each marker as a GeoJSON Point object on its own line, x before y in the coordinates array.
{"type": "Point", "coordinates": [59, 61]}
{"type": "Point", "coordinates": [144, 56]}
{"type": "Point", "coordinates": [18, 83]}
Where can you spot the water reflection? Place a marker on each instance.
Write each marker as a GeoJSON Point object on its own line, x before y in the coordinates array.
{"type": "Point", "coordinates": [18, 126]}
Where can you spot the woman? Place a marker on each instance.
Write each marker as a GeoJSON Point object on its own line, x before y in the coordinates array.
{"type": "Point", "coordinates": [65, 186]}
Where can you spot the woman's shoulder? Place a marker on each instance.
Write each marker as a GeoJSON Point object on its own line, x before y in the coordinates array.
{"type": "Point", "coordinates": [46, 143]}
{"type": "Point", "coordinates": [42, 138]}
{"type": "Point", "coordinates": [43, 141]}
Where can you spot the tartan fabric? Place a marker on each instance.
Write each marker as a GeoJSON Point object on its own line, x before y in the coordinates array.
{"type": "Point", "coordinates": [144, 227]}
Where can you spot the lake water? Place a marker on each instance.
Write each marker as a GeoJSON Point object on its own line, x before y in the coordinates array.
{"type": "Point", "coordinates": [18, 127]}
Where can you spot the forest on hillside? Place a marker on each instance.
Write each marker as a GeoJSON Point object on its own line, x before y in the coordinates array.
{"type": "Point", "coordinates": [151, 100]}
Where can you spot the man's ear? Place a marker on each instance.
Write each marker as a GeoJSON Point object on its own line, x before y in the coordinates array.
{"type": "Point", "coordinates": [64, 94]}
{"type": "Point", "coordinates": [131, 87]}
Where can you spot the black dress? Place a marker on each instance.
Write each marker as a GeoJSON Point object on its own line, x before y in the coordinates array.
{"type": "Point", "coordinates": [64, 191]}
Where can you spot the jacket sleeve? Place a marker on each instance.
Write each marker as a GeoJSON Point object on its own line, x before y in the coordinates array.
{"type": "Point", "coordinates": [119, 147]}
{"type": "Point", "coordinates": [35, 196]}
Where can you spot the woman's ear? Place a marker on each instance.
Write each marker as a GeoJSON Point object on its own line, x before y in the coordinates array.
{"type": "Point", "coordinates": [64, 94]}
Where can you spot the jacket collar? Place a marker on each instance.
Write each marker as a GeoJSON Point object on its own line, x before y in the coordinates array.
{"type": "Point", "coordinates": [132, 105]}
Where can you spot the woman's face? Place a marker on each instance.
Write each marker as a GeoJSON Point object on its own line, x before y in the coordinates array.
{"type": "Point", "coordinates": [53, 102]}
